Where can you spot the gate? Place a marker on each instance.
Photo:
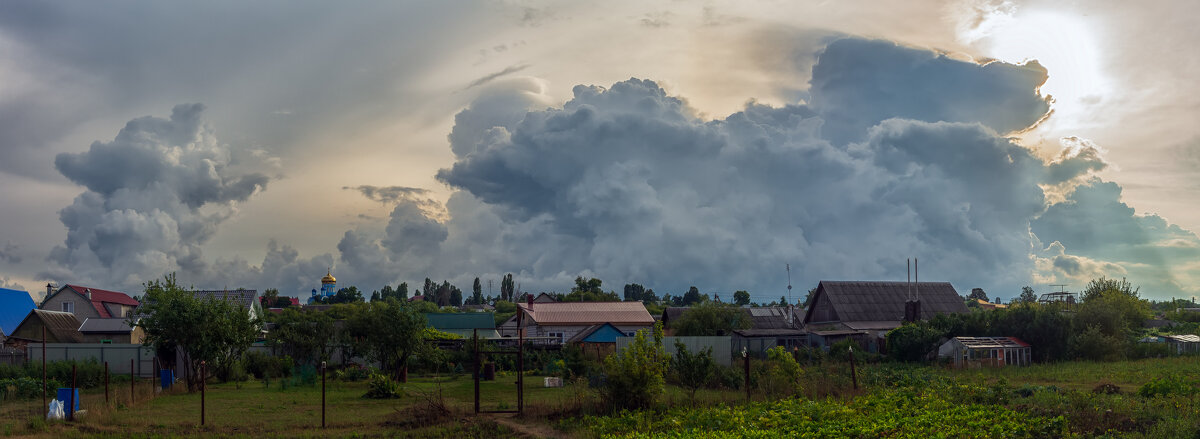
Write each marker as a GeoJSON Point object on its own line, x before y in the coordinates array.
{"type": "Point", "coordinates": [520, 353]}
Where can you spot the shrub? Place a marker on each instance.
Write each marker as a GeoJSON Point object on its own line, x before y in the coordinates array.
{"type": "Point", "coordinates": [635, 374]}
{"type": "Point", "coordinates": [381, 386]}
{"type": "Point", "coordinates": [264, 366]}
{"type": "Point", "coordinates": [912, 342]}
{"type": "Point", "coordinates": [782, 374]}
{"type": "Point", "coordinates": [840, 351]}
{"type": "Point", "coordinates": [1093, 344]}
{"type": "Point", "coordinates": [1166, 386]}
{"type": "Point", "coordinates": [693, 371]}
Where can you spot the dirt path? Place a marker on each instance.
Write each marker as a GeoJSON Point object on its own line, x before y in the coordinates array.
{"type": "Point", "coordinates": [533, 430]}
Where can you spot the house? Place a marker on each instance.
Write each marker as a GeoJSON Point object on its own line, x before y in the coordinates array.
{"type": "Point", "coordinates": [770, 326]}
{"type": "Point", "coordinates": [89, 303]}
{"type": "Point", "coordinates": [61, 327]}
{"type": "Point", "coordinates": [464, 324]}
{"type": "Point", "coordinates": [975, 352]}
{"type": "Point", "coordinates": [866, 311]}
{"type": "Point", "coordinates": [597, 341]}
{"type": "Point", "coordinates": [114, 331]}
{"type": "Point", "coordinates": [544, 298]}
{"type": "Point", "coordinates": [559, 321]}
{"type": "Point", "coordinates": [248, 299]}
{"type": "Point", "coordinates": [14, 306]}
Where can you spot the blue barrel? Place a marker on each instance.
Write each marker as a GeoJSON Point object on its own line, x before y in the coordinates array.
{"type": "Point", "coordinates": [64, 395]}
{"type": "Point", "coordinates": [167, 376]}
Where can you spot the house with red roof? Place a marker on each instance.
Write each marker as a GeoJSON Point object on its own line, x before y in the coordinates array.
{"type": "Point", "coordinates": [90, 303]}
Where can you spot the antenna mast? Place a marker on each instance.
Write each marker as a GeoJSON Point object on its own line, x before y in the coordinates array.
{"type": "Point", "coordinates": [789, 273]}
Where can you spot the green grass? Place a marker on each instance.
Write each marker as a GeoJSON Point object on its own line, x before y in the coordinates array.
{"type": "Point", "coordinates": [893, 401]}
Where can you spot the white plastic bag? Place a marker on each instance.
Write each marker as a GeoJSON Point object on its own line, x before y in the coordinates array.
{"type": "Point", "coordinates": [56, 411]}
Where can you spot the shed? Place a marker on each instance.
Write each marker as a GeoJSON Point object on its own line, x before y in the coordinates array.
{"type": "Point", "coordinates": [758, 341]}
{"type": "Point", "coordinates": [1182, 344]}
{"type": "Point", "coordinates": [985, 351]}
{"type": "Point", "coordinates": [118, 331]}
{"type": "Point", "coordinates": [61, 327]}
{"type": "Point", "coordinates": [14, 306]}
{"type": "Point", "coordinates": [872, 308]}
{"type": "Point", "coordinates": [598, 341]}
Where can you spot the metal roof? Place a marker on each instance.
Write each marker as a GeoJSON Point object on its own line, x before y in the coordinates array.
{"type": "Point", "coordinates": [461, 320]}
{"type": "Point", "coordinates": [62, 326]}
{"type": "Point", "coordinates": [884, 301]}
{"type": "Point", "coordinates": [1183, 338]}
{"type": "Point", "coordinates": [781, 332]}
{"type": "Point", "coordinates": [99, 297]}
{"type": "Point", "coordinates": [991, 342]}
{"type": "Point", "coordinates": [106, 326]}
{"type": "Point", "coordinates": [14, 306]}
{"type": "Point", "coordinates": [588, 313]}
{"type": "Point", "coordinates": [611, 333]}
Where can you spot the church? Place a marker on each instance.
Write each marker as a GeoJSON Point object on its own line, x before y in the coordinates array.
{"type": "Point", "coordinates": [328, 288]}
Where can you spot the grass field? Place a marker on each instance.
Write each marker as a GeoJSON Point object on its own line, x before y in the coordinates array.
{"type": "Point", "coordinates": [893, 401]}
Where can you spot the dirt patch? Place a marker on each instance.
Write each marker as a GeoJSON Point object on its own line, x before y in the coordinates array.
{"type": "Point", "coordinates": [532, 430]}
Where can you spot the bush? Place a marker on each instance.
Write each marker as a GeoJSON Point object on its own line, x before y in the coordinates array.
{"type": "Point", "coordinates": [1093, 344]}
{"type": "Point", "coordinates": [912, 342]}
{"type": "Point", "coordinates": [781, 376]}
{"type": "Point", "coordinates": [1166, 386]}
{"type": "Point", "coordinates": [840, 351]}
{"type": "Point", "coordinates": [263, 366]}
{"type": "Point", "coordinates": [381, 386]}
{"type": "Point", "coordinates": [635, 374]}
{"type": "Point", "coordinates": [693, 371]}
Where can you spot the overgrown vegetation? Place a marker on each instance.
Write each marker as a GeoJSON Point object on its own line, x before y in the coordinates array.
{"type": "Point", "coordinates": [634, 375]}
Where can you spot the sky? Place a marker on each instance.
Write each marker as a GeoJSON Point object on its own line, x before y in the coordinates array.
{"type": "Point", "coordinates": [667, 143]}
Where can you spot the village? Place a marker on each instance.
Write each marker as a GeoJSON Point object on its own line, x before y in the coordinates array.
{"type": "Point", "coordinates": [577, 340]}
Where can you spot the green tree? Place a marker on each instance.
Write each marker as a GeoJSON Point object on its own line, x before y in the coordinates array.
{"type": "Point", "coordinates": [1027, 295]}
{"type": "Point", "coordinates": [402, 291]}
{"type": "Point", "coordinates": [634, 292]}
{"type": "Point", "coordinates": [809, 297]}
{"type": "Point", "coordinates": [507, 287]}
{"type": "Point", "coordinates": [912, 342]}
{"type": "Point", "coordinates": [388, 332]}
{"type": "Point", "coordinates": [693, 370]}
{"type": "Point", "coordinates": [691, 297]}
{"type": "Point", "coordinates": [268, 298]}
{"type": "Point", "coordinates": [710, 319]}
{"type": "Point", "coordinates": [978, 293]}
{"type": "Point", "coordinates": [635, 373]}
{"type": "Point", "coordinates": [306, 336]}
{"type": "Point", "coordinates": [456, 296]}
{"type": "Point", "coordinates": [477, 293]}
{"type": "Point", "coordinates": [345, 295]}
{"type": "Point", "coordinates": [211, 330]}
{"type": "Point", "coordinates": [387, 292]}
{"type": "Point", "coordinates": [741, 298]}
{"type": "Point", "coordinates": [375, 296]}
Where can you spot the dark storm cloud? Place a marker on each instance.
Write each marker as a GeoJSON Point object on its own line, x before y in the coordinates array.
{"type": "Point", "coordinates": [156, 193]}
{"type": "Point", "coordinates": [10, 253]}
{"type": "Point", "coordinates": [626, 182]}
{"type": "Point", "coordinates": [857, 83]}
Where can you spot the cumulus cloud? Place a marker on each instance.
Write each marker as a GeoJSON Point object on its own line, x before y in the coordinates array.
{"type": "Point", "coordinates": [6, 282]}
{"type": "Point", "coordinates": [155, 194]}
{"type": "Point", "coordinates": [389, 194]}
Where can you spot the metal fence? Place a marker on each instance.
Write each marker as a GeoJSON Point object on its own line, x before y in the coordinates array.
{"type": "Point", "coordinates": [11, 356]}
{"type": "Point", "coordinates": [118, 356]}
{"type": "Point", "coordinates": [721, 351]}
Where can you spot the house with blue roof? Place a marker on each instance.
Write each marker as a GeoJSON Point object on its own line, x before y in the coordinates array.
{"type": "Point", "coordinates": [14, 306]}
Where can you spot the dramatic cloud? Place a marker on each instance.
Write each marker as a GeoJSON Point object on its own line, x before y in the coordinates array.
{"type": "Point", "coordinates": [156, 193]}
{"type": "Point", "coordinates": [390, 194]}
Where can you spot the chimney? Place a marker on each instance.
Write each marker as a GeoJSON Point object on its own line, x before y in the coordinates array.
{"type": "Point", "coordinates": [88, 292]}
{"type": "Point", "coordinates": [529, 301]}
{"type": "Point", "coordinates": [49, 289]}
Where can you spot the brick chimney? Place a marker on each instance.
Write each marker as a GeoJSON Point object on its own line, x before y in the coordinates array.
{"type": "Point", "coordinates": [529, 301]}
{"type": "Point", "coordinates": [49, 289]}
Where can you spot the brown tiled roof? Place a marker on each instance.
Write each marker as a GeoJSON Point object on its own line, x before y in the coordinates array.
{"type": "Point", "coordinates": [588, 313]}
{"type": "Point", "coordinates": [884, 301]}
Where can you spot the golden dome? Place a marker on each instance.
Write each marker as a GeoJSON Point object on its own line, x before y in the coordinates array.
{"type": "Point", "coordinates": [329, 279]}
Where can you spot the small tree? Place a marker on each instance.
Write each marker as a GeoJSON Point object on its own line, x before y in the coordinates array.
{"type": "Point", "coordinates": [741, 298]}
{"type": "Point", "coordinates": [1027, 295]}
{"type": "Point", "coordinates": [635, 374]}
{"type": "Point", "coordinates": [978, 293]}
{"type": "Point", "coordinates": [912, 341]}
{"type": "Point", "coordinates": [693, 370]}
{"type": "Point", "coordinates": [306, 336]}
{"type": "Point", "coordinates": [388, 332]}
{"type": "Point", "coordinates": [211, 330]}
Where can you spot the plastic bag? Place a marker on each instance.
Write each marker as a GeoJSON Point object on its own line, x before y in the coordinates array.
{"type": "Point", "coordinates": [56, 411]}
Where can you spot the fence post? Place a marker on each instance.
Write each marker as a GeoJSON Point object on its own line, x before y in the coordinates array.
{"type": "Point", "coordinates": [322, 394]}
{"type": "Point", "coordinates": [853, 375]}
{"type": "Point", "coordinates": [155, 373]}
{"type": "Point", "coordinates": [746, 358]}
{"type": "Point", "coordinates": [132, 379]}
{"type": "Point", "coordinates": [105, 383]}
{"type": "Point", "coordinates": [74, 384]}
{"type": "Point", "coordinates": [203, 387]}
{"type": "Point", "coordinates": [475, 367]}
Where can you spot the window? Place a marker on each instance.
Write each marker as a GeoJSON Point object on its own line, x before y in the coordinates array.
{"type": "Point", "coordinates": [68, 306]}
{"type": "Point", "coordinates": [557, 335]}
